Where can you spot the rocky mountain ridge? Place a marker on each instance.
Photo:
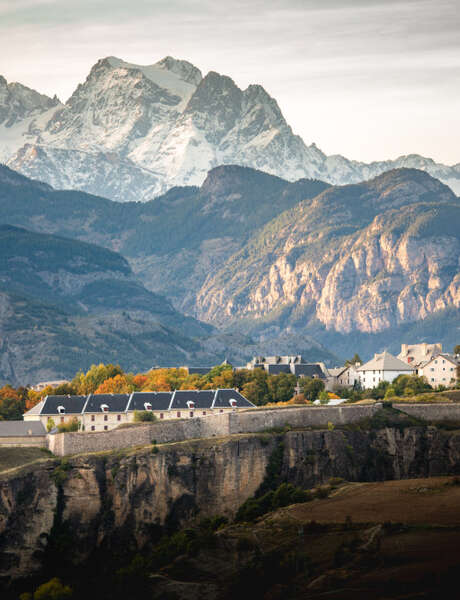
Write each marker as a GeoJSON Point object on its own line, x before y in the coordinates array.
{"type": "Point", "coordinates": [363, 257]}
{"type": "Point", "coordinates": [129, 132]}
{"type": "Point", "coordinates": [297, 266]}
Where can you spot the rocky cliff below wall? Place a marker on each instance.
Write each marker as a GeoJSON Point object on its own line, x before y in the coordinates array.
{"type": "Point", "coordinates": [123, 500]}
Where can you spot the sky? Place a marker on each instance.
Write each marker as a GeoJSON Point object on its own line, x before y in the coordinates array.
{"type": "Point", "coordinates": [368, 79]}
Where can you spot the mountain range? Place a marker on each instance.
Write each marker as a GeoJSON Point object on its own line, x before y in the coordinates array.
{"type": "Point", "coordinates": [66, 303]}
{"type": "Point", "coordinates": [275, 266]}
{"type": "Point", "coordinates": [131, 132]}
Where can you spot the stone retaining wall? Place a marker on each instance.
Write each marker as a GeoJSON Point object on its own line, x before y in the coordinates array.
{"type": "Point", "coordinates": [250, 421]}
{"type": "Point", "coordinates": [431, 412]}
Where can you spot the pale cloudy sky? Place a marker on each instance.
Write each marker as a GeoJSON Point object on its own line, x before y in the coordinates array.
{"type": "Point", "coordinates": [369, 79]}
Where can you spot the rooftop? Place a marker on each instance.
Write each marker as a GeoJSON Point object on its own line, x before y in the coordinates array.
{"type": "Point", "coordinates": [386, 362]}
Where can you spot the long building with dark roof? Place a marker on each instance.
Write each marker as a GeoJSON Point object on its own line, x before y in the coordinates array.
{"type": "Point", "coordinates": [102, 412]}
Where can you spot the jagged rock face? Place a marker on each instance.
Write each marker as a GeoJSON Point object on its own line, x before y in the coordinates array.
{"type": "Point", "coordinates": [119, 499]}
{"type": "Point", "coordinates": [153, 127]}
{"type": "Point", "coordinates": [364, 257]}
{"type": "Point", "coordinates": [18, 102]}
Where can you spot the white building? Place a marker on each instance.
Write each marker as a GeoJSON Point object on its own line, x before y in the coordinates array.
{"type": "Point", "coordinates": [416, 354]}
{"type": "Point", "coordinates": [102, 412]}
{"type": "Point", "coordinates": [383, 367]}
{"type": "Point", "coordinates": [440, 369]}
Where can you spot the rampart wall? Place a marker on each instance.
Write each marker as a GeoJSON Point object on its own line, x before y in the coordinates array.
{"type": "Point", "coordinates": [431, 412]}
{"type": "Point", "coordinates": [250, 421]}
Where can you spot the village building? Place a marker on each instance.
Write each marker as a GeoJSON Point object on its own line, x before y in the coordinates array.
{"type": "Point", "coordinates": [103, 412]}
{"type": "Point", "coordinates": [440, 369]}
{"type": "Point", "coordinates": [296, 365]}
{"type": "Point", "coordinates": [346, 376]}
{"type": "Point", "coordinates": [22, 433]}
{"type": "Point", "coordinates": [38, 387]}
{"type": "Point", "coordinates": [416, 354]}
{"type": "Point", "coordinates": [383, 367]}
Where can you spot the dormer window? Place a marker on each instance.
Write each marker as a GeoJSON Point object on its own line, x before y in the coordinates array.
{"type": "Point", "coordinates": [190, 404]}
{"type": "Point", "coordinates": [104, 408]}
{"type": "Point", "coordinates": [233, 402]}
{"type": "Point", "coordinates": [147, 406]}
{"type": "Point", "coordinates": [61, 410]}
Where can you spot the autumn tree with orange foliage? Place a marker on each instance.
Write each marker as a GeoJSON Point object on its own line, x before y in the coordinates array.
{"type": "Point", "coordinates": [120, 384]}
{"type": "Point", "coordinates": [12, 403]}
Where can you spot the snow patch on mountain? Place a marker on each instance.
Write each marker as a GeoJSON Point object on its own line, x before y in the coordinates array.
{"type": "Point", "coordinates": [162, 125]}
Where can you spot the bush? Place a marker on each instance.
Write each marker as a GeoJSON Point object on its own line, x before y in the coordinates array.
{"type": "Point", "coordinates": [72, 425]}
{"type": "Point", "coordinates": [144, 416]}
{"type": "Point", "coordinates": [53, 589]}
{"type": "Point", "coordinates": [284, 495]}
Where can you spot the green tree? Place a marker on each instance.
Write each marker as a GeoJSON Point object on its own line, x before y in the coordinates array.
{"type": "Point", "coordinates": [311, 387]}
{"type": "Point", "coordinates": [352, 361]}
{"type": "Point", "coordinates": [72, 425]}
{"type": "Point", "coordinates": [53, 589]}
{"type": "Point", "coordinates": [323, 397]}
{"type": "Point", "coordinates": [144, 416]}
{"type": "Point", "coordinates": [457, 349]}
{"type": "Point", "coordinates": [50, 424]}
{"type": "Point", "coordinates": [281, 387]}
{"type": "Point", "coordinates": [87, 383]}
{"type": "Point", "coordinates": [410, 385]}
{"type": "Point", "coordinates": [256, 388]}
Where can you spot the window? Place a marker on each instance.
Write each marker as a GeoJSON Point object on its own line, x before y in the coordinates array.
{"type": "Point", "coordinates": [204, 413]}
{"type": "Point", "coordinates": [118, 417]}
{"type": "Point", "coordinates": [432, 369]}
{"type": "Point", "coordinates": [105, 427]}
{"type": "Point", "coordinates": [161, 415]}
{"type": "Point", "coordinates": [221, 410]}
{"type": "Point", "coordinates": [191, 413]}
{"type": "Point", "coordinates": [106, 417]}
{"type": "Point", "coordinates": [432, 379]}
{"type": "Point", "coordinates": [93, 427]}
{"type": "Point", "coordinates": [62, 419]}
{"type": "Point", "coordinates": [93, 417]}
{"type": "Point", "coordinates": [178, 413]}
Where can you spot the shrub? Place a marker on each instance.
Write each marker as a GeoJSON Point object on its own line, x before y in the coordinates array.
{"type": "Point", "coordinates": [144, 416]}
{"type": "Point", "coordinates": [72, 425]}
{"type": "Point", "coordinates": [53, 589]}
{"type": "Point", "coordinates": [323, 491]}
{"type": "Point", "coordinates": [284, 495]}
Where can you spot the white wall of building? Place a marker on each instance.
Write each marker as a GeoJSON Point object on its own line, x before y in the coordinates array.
{"type": "Point", "coordinates": [371, 379]}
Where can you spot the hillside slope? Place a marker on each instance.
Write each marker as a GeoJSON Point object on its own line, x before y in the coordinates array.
{"type": "Point", "coordinates": [66, 304]}
{"type": "Point", "coordinates": [172, 241]}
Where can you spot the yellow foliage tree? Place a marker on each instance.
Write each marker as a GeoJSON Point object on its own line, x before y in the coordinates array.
{"type": "Point", "coordinates": [120, 384]}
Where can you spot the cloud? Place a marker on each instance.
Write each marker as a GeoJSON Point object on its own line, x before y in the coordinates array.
{"type": "Point", "coordinates": [329, 63]}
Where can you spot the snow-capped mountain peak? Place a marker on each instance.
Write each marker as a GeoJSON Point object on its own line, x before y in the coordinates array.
{"type": "Point", "coordinates": [162, 125]}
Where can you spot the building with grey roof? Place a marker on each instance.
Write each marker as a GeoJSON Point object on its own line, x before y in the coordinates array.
{"type": "Point", "coordinates": [102, 412]}
{"type": "Point", "coordinates": [383, 367]}
{"type": "Point", "coordinates": [295, 364]}
{"type": "Point", "coordinates": [22, 433]}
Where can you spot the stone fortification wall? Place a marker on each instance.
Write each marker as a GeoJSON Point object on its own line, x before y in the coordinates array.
{"type": "Point", "coordinates": [258, 420]}
{"type": "Point", "coordinates": [250, 421]}
{"type": "Point", "coordinates": [431, 412]}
